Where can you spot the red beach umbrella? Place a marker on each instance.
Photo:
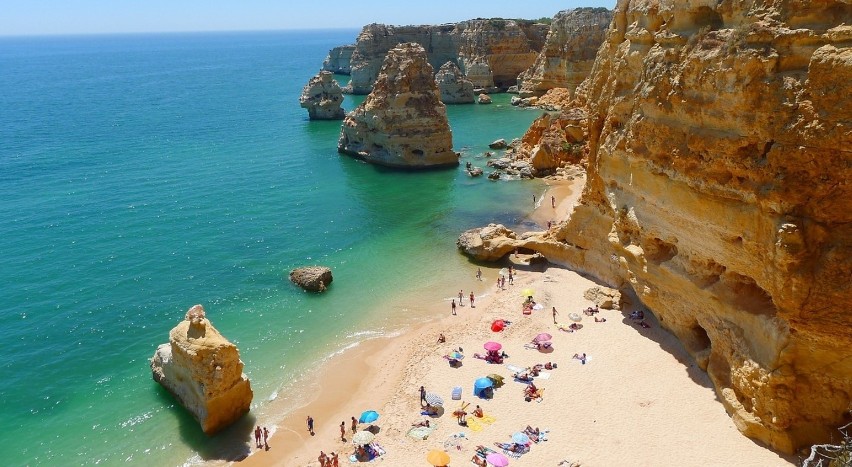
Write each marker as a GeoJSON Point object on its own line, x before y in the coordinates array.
{"type": "Point", "coordinates": [498, 325]}
{"type": "Point", "coordinates": [492, 346]}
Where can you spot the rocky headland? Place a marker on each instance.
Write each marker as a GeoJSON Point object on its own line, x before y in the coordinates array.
{"type": "Point", "coordinates": [568, 53]}
{"type": "Point", "coordinates": [717, 142]}
{"type": "Point", "coordinates": [402, 123]}
{"type": "Point", "coordinates": [454, 87]}
{"type": "Point", "coordinates": [338, 59]}
{"type": "Point", "coordinates": [322, 96]}
{"type": "Point", "coordinates": [490, 52]}
{"type": "Point", "coordinates": [203, 371]}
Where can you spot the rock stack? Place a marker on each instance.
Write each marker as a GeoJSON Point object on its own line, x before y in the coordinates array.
{"type": "Point", "coordinates": [322, 97]}
{"type": "Point", "coordinates": [402, 122]}
{"type": "Point", "coordinates": [312, 278]}
{"type": "Point", "coordinates": [203, 371]}
{"type": "Point", "coordinates": [454, 87]}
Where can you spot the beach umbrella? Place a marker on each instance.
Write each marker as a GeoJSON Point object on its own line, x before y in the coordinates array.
{"type": "Point", "coordinates": [481, 384]}
{"type": "Point", "coordinates": [434, 399]}
{"type": "Point", "coordinates": [438, 458]}
{"type": "Point", "coordinates": [362, 437]}
{"type": "Point", "coordinates": [369, 416]}
{"type": "Point", "coordinates": [497, 379]}
{"type": "Point", "coordinates": [455, 355]}
{"type": "Point", "coordinates": [497, 460]}
{"type": "Point", "coordinates": [527, 292]}
{"type": "Point", "coordinates": [575, 317]}
{"type": "Point", "coordinates": [520, 438]}
{"type": "Point", "coordinates": [492, 346]}
{"type": "Point", "coordinates": [498, 325]}
{"type": "Point", "coordinates": [543, 337]}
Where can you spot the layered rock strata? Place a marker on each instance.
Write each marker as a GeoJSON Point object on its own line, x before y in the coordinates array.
{"type": "Point", "coordinates": [203, 371]}
{"type": "Point", "coordinates": [719, 138]}
{"type": "Point", "coordinates": [402, 123]}
{"type": "Point", "coordinates": [322, 96]}
{"type": "Point", "coordinates": [338, 59]}
{"type": "Point", "coordinates": [569, 52]}
{"type": "Point", "coordinates": [454, 87]}
{"type": "Point", "coordinates": [490, 52]}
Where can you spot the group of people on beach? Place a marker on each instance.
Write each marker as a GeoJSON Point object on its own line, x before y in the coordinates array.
{"type": "Point", "coordinates": [461, 301]}
{"type": "Point", "coordinates": [261, 438]}
{"type": "Point", "coordinates": [328, 460]}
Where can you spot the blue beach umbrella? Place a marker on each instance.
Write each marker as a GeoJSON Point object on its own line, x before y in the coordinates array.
{"type": "Point", "coordinates": [520, 438]}
{"type": "Point", "coordinates": [481, 385]}
{"type": "Point", "coordinates": [369, 416]}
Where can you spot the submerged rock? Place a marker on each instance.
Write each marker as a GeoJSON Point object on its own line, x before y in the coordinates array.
{"type": "Point", "coordinates": [402, 123]}
{"type": "Point", "coordinates": [498, 144]}
{"type": "Point", "coordinates": [484, 99]}
{"type": "Point", "coordinates": [312, 278]}
{"type": "Point", "coordinates": [322, 96]}
{"type": "Point", "coordinates": [203, 371]}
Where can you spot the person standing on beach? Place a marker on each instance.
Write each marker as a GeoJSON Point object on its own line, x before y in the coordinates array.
{"type": "Point", "coordinates": [453, 306]}
{"type": "Point", "coordinates": [311, 427]}
{"type": "Point", "coordinates": [265, 438]}
{"type": "Point", "coordinates": [422, 395]}
{"type": "Point", "coordinates": [471, 299]}
{"type": "Point", "coordinates": [334, 461]}
{"type": "Point", "coordinates": [553, 202]}
{"type": "Point", "coordinates": [461, 297]}
{"type": "Point", "coordinates": [322, 458]}
{"type": "Point", "coordinates": [354, 425]}
{"type": "Point", "coordinates": [479, 273]}
{"type": "Point", "coordinates": [533, 201]}
{"type": "Point", "coordinates": [511, 278]}
{"type": "Point", "coordinates": [554, 315]}
{"type": "Point", "coordinates": [257, 437]}
{"type": "Point", "coordinates": [342, 431]}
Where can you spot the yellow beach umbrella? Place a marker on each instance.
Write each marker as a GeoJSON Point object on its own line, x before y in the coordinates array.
{"type": "Point", "coordinates": [438, 458]}
{"type": "Point", "coordinates": [528, 292]}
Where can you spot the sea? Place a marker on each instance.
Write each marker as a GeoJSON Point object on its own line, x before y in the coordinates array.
{"type": "Point", "coordinates": [144, 174]}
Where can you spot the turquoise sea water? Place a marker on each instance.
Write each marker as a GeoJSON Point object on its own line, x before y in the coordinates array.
{"type": "Point", "coordinates": [142, 174]}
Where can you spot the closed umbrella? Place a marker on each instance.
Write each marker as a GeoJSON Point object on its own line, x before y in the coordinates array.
{"type": "Point", "coordinates": [543, 337]}
{"type": "Point", "coordinates": [438, 458]}
{"type": "Point", "coordinates": [520, 438]}
{"type": "Point", "coordinates": [492, 346]}
{"type": "Point", "coordinates": [362, 437]}
{"type": "Point", "coordinates": [434, 399]}
{"type": "Point", "coordinates": [369, 416]}
{"type": "Point", "coordinates": [497, 460]}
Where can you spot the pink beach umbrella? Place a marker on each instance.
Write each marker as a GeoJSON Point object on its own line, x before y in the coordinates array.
{"type": "Point", "coordinates": [543, 337]}
{"type": "Point", "coordinates": [492, 346]}
{"type": "Point", "coordinates": [497, 460]}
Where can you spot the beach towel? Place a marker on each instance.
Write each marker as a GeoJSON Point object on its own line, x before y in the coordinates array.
{"type": "Point", "coordinates": [456, 441]}
{"type": "Point", "coordinates": [422, 432]}
{"type": "Point", "coordinates": [543, 375]}
{"type": "Point", "coordinates": [478, 424]}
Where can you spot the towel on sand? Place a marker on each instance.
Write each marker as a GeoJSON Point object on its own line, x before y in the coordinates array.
{"type": "Point", "coordinates": [422, 432]}
{"type": "Point", "coordinates": [478, 424]}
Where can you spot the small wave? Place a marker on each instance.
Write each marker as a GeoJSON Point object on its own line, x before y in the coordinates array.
{"type": "Point", "coordinates": [133, 421]}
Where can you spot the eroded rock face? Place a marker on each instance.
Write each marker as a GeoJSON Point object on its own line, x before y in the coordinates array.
{"type": "Point", "coordinates": [322, 96]}
{"type": "Point", "coordinates": [489, 52]}
{"type": "Point", "coordinates": [454, 87]}
{"type": "Point", "coordinates": [555, 140]}
{"type": "Point", "coordinates": [569, 52]}
{"type": "Point", "coordinates": [313, 278]}
{"type": "Point", "coordinates": [338, 59]}
{"type": "Point", "coordinates": [717, 192]}
{"type": "Point", "coordinates": [203, 371]}
{"type": "Point", "coordinates": [402, 123]}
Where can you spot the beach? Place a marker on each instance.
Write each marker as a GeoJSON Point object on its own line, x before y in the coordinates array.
{"type": "Point", "coordinates": [639, 398]}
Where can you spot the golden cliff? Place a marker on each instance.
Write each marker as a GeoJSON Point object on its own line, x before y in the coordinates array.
{"type": "Point", "coordinates": [402, 123]}
{"type": "Point", "coordinates": [204, 372]}
{"type": "Point", "coordinates": [569, 52]}
{"type": "Point", "coordinates": [719, 159]}
{"type": "Point", "coordinates": [490, 52]}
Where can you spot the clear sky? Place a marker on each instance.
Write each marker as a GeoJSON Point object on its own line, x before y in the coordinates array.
{"type": "Point", "coordinates": [36, 17]}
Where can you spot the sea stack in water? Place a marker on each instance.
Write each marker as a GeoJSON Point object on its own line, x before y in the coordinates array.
{"type": "Point", "coordinates": [313, 278]}
{"type": "Point", "coordinates": [454, 87]}
{"type": "Point", "coordinates": [402, 123]}
{"type": "Point", "coordinates": [203, 371]}
{"type": "Point", "coordinates": [322, 97]}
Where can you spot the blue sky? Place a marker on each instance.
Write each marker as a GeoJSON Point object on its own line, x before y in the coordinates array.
{"type": "Point", "coordinates": [35, 17]}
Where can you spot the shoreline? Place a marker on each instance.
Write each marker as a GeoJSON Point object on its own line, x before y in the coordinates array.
{"type": "Point", "coordinates": [601, 422]}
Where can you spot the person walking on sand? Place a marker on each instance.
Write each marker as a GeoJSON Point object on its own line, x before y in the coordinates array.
{"type": "Point", "coordinates": [354, 425]}
{"type": "Point", "coordinates": [342, 431]}
{"type": "Point", "coordinates": [257, 437]}
{"type": "Point", "coordinates": [265, 438]}
{"type": "Point", "coordinates": [334, 461]}
{"type": "Point", "coordinates": [554, 315]}
{"type": "Point", "coordinates": [461, 297]}
{"type": "Point", "coordinates": [322, 458]}
{"type": "Point", "coordinates": [511, 278]}
{"type": "Point", "coordinates": [479, 273]}
{"type": "Point", "coordinates": [453, 306]}
{"type": "Point", "coordinates": [553, 202]}
{"type": "Point", "coordinates": [311, 427]}
{"type": "Point", "coordinates": [471, 299]}
{"type": "Point", "coordinates": [533, 201]}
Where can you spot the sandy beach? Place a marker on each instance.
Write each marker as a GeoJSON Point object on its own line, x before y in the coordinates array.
{"type": "Point", "coordinates": [638, 400]}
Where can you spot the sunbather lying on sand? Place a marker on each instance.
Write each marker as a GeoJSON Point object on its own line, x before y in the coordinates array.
{"type": "Point", "coordinates": [480, 461]}
{"type": "Point", "coordinates": [421, 423]}
{"type": "Point", "coordinates": [580, 357]}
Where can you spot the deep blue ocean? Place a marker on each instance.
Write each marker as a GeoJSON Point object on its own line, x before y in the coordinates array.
{"type": "Point", "coordinates": [142, 174]}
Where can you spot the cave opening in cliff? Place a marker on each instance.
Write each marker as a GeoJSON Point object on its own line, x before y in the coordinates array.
{"type": "Point", "coordinates": [745, 294]}
{"type": "Point", "coordinates": [699, 340]}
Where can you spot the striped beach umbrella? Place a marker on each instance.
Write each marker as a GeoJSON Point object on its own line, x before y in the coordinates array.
{"type": "Point", "coordinates": [434, 399]}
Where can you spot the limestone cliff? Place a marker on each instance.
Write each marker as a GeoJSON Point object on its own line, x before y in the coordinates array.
{"type": "Point", "coordinates": [338, 59]}
{"type": "Point", "coordinates": [488, 51]}
{"type": "Point", "coordinates": [569, 52]}
{"type": "Point", "coordinates": [720, 154]}
{"type": "Point", "coordinates": [322, 96]}
{"type": "Point", "coordinates": [204, 372]}
{"type": "Point", "coordinates": [402, 122]}
{"type": "Point", "coordinates": [454, 87]}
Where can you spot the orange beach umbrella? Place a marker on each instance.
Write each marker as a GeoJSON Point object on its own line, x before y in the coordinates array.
{"type": "Point", "coordinates": [438, 458]}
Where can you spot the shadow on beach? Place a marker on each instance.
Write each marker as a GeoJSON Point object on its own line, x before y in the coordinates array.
{"type": "Point", "coordinates": [231, 444]}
